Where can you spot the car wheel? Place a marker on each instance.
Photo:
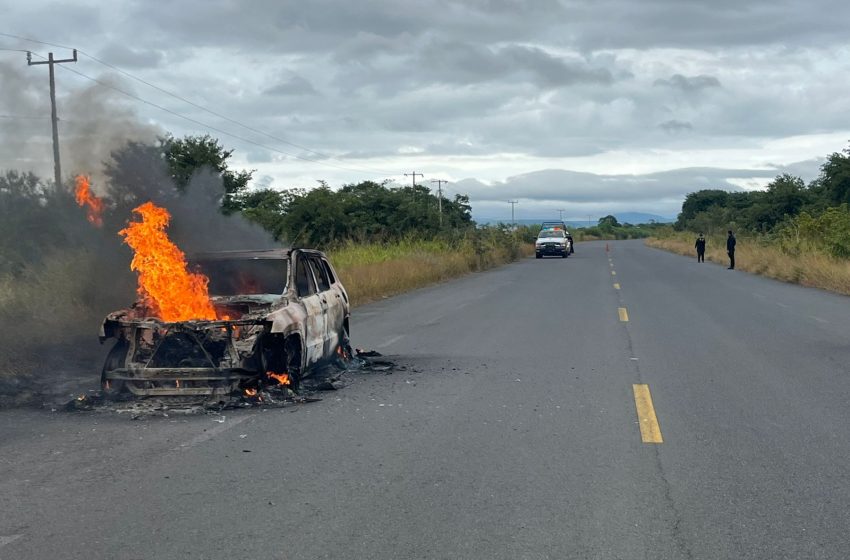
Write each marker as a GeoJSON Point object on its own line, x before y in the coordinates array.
{"type": "Point", "coordinates": [292, 349]}
{"type": "Point", "coordinates": [345, 345]}
{"type": "Point", "coordinates": [564, 255]}
{"type": "Point", "coordinates": [538, 256]}
{"type": "Point", "coordinates": [116, 359]}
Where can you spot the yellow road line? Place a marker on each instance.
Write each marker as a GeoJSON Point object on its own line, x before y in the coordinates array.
{"type": "Point", "coordinates": [624, 315]}
{"type": "Point", "coordinates": [616, 285]}
{"type": "Point", "coordinates": [650, 431]}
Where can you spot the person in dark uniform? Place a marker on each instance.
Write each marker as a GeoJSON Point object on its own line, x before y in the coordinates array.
{"type": "Point", "coordinates": [700, 246]}
{"type": "Point", "coordinates": [730, 249]}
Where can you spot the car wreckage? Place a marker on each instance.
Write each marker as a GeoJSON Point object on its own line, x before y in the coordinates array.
{"type": "Point", "coordinates": [279, 313]}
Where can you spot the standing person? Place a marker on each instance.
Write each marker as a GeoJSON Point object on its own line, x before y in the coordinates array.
{"type": "Point", "coordinates": [730, 249]}
{"type": "Point", "coordinates": [700, 245]}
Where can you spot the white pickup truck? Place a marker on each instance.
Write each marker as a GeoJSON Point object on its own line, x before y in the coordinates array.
{"type": "Point", "coordinates": [552, 242]}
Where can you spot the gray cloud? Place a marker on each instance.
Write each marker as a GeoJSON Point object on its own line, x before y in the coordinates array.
{"type": "Point", "coordinates": [674, 126]}
{"type": "Point", "coordinates": [463, 62]}
{"type": "Point", "coordinates": [578, 187]}
{"type": "Point", "coordinates": [582, 193]}
{"type": "Point", "coordinates": [689, 84]}
{"type": "Point", "coordinates": [291, 85]}
{"type": "Point", "coordinates": [123, 56]}
{"type": "Point", "coordinates": [449, 82]}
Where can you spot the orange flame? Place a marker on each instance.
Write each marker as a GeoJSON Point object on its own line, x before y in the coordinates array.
{"type": "Point", "coordinates": [165, 283]}
{"type": "Point", "coordinates": [93, 204]}
{"type": "Point", "coordinates": [282, 378]}
{"type": "Point", "coordinates": [250, 392]}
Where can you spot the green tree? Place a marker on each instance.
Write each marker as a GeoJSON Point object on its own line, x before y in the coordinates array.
{"type": "Point", "coordinates": [785, 197]}
{"type": "Point", "coordinates": [186, 156]}
{"type": "Point", "coordinates": [697, 202]}
{"type": "Point", "coordinates": [266, 207]}
{"type": "Point", "coordinates": [163, 171]}
{"type": "Point", "coordinates": [833, 184]}
{"type": "Point", "coordinates": [609, 221]}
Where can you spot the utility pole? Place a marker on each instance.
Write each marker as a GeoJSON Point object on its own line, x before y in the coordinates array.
{"type": "Point", "coordinates": [413, 180]}
{"type": "Point", "coordinates": [57, 167]}
{"type": "Point", "coordinates": [440, 197]}
{"type": "Point", "coordinates": [560, 214]}
{"type": "Point", "coordinates": [513, 203]}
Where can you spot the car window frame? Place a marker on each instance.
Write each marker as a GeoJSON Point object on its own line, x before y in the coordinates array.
{"type": "Point", "coordinates": [298, 258]}
{"type": "Point", "coordinates": [329, 270]}
{"type": "Point", "coordinates": [316, 266]}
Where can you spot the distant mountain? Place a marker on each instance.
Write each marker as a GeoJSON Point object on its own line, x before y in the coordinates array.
{"type": "Point", "coordinates": [642, 218]}
{"type": "Point", "coordinates": [633, 218]}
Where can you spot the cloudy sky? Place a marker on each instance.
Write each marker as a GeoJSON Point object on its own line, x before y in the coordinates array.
{"type": "Point", "coordinates": [591, 106]}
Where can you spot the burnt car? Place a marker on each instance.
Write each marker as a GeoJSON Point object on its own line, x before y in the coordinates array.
{"type": "Point", "coordinates": [280, 313]}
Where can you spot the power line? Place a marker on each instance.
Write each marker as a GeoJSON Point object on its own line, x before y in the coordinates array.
{"type": "Point", "coordinates": [25, 117]}
{"type": "Point", "coordinates": [202, 108]}
{"type": "Point", "coordinates": [210, 127]}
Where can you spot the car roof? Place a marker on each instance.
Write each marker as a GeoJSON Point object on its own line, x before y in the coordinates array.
{"type": "Point", "coordinates": [272, 254]}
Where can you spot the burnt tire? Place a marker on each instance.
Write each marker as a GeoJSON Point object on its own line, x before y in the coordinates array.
{"type": "Point", "coordinates": [116, 359]}
{"type": "Point", "coordinates": [292, 351]}
{"type": "Point", "coordinates": [345, 342]}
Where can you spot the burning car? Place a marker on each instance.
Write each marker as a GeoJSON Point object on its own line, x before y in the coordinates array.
{"type": "Point", "coordinates": [272, 316]}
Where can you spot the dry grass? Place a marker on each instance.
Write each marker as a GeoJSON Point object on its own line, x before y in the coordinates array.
{"type": "Point", "coordinates": [48, 304]}
{"type": "Point", "coordinates": [812, 269]}
{"type": "Point", "coordinates": [371, 272]}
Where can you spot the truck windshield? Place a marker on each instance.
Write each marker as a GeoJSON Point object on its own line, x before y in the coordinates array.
{"type": "Point", "coordinates": [234, 277]}
{"type": "Point", "coordinates": [551, 233]}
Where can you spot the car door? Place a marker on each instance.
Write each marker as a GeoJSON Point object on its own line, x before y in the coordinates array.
{"type": "Point", "coordinates": [315, 322]}
{"type": "Point", "coordinates": [335, 311]}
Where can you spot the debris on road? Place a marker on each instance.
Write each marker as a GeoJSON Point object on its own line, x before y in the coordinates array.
{"type": "Point", "coordinates": [273, 392]}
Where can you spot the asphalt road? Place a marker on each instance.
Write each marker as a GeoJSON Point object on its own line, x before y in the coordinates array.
{"type": "Point", "coordinates": [512, 434]}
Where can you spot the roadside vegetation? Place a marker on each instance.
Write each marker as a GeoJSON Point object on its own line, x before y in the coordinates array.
{"type": "Point", "coordinates": [761, 256]}
{"type": "Point", "coordinates": [609, 227]}
{"type": "Point", "coordinates": [60, 275]}
{"type": "Point", "coordinates": [791, 231]}
{"type": "Point", "coordinates": [371, 272]}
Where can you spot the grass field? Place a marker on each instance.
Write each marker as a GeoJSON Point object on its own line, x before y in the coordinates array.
{"type": "Point", "coordinates": [809, 268]}
{"type": "Point", "coordinates": [371, 272]}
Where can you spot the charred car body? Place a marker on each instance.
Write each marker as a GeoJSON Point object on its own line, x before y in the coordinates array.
{"type": "Point", "coordinates": [279, 313]}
